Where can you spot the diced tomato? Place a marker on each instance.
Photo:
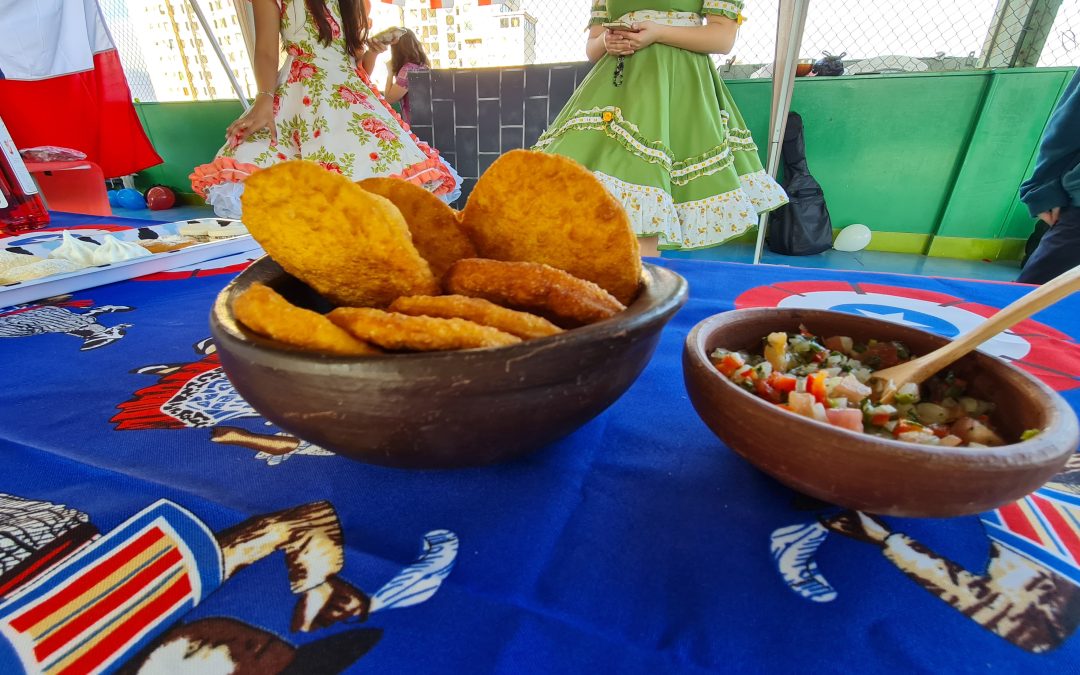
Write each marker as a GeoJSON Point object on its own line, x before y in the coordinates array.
{"type": "Point", "coordinates": [815, 385]}
{"type": "Point", "coordinates": [820, 356]}
{"type": "Point", "coordinates": [879, 419]}
{"type": "Point", "coordinates": [782, 383]}
{"type": "Point", "coordinates": [880, 355]}
{"type": "Point", "coordinates": [839, 343]}
{"type": "Point", "coordinates": [940, 430]}
{"type": "Point", "coordinates": [765, 391]}
{"type": "Point", "coordinates": [845, 418]}
{"type": "Point", "coordinates": [905, 426]}
{"type": "Point", "coordinates": [729, 363]}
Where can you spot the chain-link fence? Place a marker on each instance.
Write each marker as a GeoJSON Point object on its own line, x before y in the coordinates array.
{"type": "Point", "coordinates": [167, 57]}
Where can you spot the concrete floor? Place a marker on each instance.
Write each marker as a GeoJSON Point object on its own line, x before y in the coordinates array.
{"type": "Point", "coordinates": [862, 261]}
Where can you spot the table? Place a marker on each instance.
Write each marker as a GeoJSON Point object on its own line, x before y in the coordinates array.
{"type": "Point", "coordinates": [638, 544]}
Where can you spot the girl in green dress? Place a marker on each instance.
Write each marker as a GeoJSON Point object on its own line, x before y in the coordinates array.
{"type": "Point", "coordinates": [656, 124]}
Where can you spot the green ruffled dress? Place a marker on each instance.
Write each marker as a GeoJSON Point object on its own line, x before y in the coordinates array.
{"type": "Point", "coordinates": [669, 142]}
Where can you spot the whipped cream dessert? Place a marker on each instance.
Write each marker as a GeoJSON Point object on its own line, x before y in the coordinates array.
{"type": "Point", "coordinates": [113, 250]}
{"type": "Point", "coordinates": [74, 250]}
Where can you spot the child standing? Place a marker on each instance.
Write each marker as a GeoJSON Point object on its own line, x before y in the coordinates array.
{"type": "Point", "coordinates": [321, 107]}
{"type": "Point", "coordinates": [406, 55]}
{"type": "Point", "coordinates": [656, 124]}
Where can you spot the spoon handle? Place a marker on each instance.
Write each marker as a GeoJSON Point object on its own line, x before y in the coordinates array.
{"type": "Point", "coordinates": [1035, 301]}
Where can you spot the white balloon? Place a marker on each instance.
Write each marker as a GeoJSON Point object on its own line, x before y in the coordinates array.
{"type": "Point", "coordinates": [853, 238]}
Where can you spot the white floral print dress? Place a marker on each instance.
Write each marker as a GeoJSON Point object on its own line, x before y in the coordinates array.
{"type": "Point", "coordinates": [326, 110]}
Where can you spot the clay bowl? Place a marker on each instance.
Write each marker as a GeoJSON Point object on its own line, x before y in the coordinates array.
{"type": "Point", "coordinates": [441, 409]}
{"type": "Point", "coordinates": [864, 472]}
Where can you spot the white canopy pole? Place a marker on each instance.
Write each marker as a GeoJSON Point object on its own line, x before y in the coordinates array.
{"type": "Point", "coordinates": [240, 93]}
{"type": "Point", "coordinates": [791, 21]}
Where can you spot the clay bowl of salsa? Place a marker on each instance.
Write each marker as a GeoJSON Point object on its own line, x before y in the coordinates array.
{"type": "Point", "coordinates": [874, 473]}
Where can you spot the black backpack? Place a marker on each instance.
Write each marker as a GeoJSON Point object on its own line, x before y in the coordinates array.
{"type": "Point", "coordinates": [803, 226]}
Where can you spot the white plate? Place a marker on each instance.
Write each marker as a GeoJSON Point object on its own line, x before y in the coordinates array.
{"type": "Point", "coordinates": [41, 242]}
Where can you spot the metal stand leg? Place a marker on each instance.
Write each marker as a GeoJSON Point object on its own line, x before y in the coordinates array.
{"type": "Point", "coordinates": [240, 93]}
{"type": "Point", "coordinates": [791, 21]}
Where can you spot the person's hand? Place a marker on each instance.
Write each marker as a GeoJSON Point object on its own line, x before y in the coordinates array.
{"type": "Point", "coordinates": [616, 44]}
{"type": "Point", "coordinates": [1051, 217]}
{"type": "Point", "coordinates": [259, 117]}
{"type": "Point", "coordinates": [643, 35]}
{"type": "Point", "coordinates": [377, 47]}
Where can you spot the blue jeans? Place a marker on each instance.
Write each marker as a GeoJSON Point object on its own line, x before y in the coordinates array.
{"type": "Point", "coordinates": [1058, 252]}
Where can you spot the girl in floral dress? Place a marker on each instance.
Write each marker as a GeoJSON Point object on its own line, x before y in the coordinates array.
{"type": "Point", "coordinates": [321, 107]}
{"type": "Point", "coordinates": [406, 55]}
{"type": "Point", "coordinates": [656, 124]}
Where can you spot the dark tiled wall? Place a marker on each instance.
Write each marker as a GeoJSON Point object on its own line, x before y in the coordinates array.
{"type": "Point", "coordinates": [473, 116]}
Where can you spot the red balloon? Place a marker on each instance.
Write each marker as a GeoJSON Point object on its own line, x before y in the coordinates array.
{"type": "Point", "coordinates": [160, 197]}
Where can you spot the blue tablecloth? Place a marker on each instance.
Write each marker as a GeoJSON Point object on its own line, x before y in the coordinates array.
{"type": "Point", "coordinates": [638, 544]}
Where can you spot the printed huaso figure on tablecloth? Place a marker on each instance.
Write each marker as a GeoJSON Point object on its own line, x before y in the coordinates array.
{"type": "Point", "coordinates": [59, 315]}
{"type": "Point", "coordinates": [321, 106]}
{"type": "Point", "coordinates": [1028, 594]}
{"type": "Point", "coordinates": [71, 601]}
{"type": "Point", "coordinates": [660, 129]}
{"type": "Point", "coordinates": [198, 395]}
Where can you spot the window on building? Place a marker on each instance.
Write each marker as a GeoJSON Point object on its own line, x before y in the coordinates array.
{"type": "Point", "coordinates": [504, 23]}
{"type": "Point", "coordinates": [515, 22]}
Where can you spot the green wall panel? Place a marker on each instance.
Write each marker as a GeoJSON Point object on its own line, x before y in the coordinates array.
{"type": "Point", "coordinates": [185, 135]}
{"type": "Point", "coordinates": [754, 98]}
{"type": "Point", "coordinates": [1010, 123]}
{"type": "Point", "coordinates": [886, 148]}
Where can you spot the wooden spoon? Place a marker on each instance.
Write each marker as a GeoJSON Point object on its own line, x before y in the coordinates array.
{"type": "Point", "coordinates": [921, 369]}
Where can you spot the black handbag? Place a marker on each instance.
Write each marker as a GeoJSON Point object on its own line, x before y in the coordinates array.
{"type": "Point", "coordinates": [803, 225]}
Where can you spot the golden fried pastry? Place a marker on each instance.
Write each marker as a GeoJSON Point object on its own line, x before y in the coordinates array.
{"type": "Point", "coordinates": [350, 245]}
{"type": "Point", "coordinates": [162, 246]}
{"type": "Point", "coordinates": [535, 207]}
{"type": "Point", "coordinates": [391, 330]}
{"type": "Point", "coordinates": [533, 287]}
{"type": "Point", "coordinates": [264, 311]}
{"type": "Point", "coordinates": [525, 326]}
{"type": "Point", "coordinates": [435, 229]}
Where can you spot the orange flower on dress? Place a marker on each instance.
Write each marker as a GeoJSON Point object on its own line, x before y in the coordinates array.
{"type": "Point", "coordinates": [608, 116]}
